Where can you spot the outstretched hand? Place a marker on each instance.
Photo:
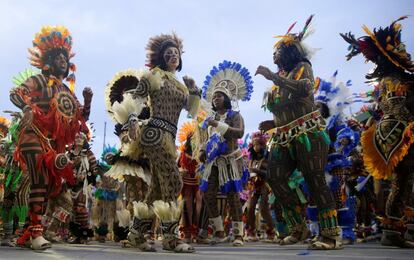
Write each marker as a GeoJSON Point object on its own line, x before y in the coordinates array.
{"type": "Point", "coordinates": [265, 72]}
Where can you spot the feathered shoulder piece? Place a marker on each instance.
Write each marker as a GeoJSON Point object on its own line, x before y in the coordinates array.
{"type": "Point", "coordinates": [232, 79]}
{"type": "Point", "coordinates": [119, 98]}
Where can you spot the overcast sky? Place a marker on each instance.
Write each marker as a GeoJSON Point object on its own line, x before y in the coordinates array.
{"type": "Point", "coordinates": [111, 35]}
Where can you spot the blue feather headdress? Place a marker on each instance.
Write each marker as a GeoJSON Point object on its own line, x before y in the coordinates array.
{"type": "Point", "coordinates": [108, 149]}
{"type": "Point", "coordinates": [353, 140]}
{"type": "Point", "coordinates": [332, 94]}
{"type": "Point", "coordinates": [230, 78]}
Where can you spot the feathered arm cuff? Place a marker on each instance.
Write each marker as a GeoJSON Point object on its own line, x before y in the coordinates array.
{"type": "Point", "coordinates": [130, 106]}
{"type": "Point", "coordinates": [222, 128]}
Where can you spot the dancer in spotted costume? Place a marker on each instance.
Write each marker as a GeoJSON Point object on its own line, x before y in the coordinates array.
{"type": "Point", "coordinates": [167, 98]}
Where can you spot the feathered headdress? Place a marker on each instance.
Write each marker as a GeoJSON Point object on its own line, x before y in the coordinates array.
{"type": "Point", "coordinates": [119, 98]}
{"type": "Point", "coordinates": [108, 150]}
{"type": "Point", "coordinates": [185, 133]}
{"type": "Point", "coordinates": [232, 79]}
{"type": "Point", "coordinates": [259, 137]}
{"type": "Point", "coordinates": [337, 96]}
{"type": "Point", "coordinates": [295, 38]}
{"type": "Point", "coordinates": [353, 140]}
{"type": "Point", "coordinates": [52, 38]}
{"type": "Point", "coordinates": [4, 126]}
{"type": "Point", "coordinates": [384, 42]}
{"type": "Point", "coordinates": [158, 44]}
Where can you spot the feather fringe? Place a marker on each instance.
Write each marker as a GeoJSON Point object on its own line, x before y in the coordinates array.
{"type": "Point", "coordinates": [142, 211]}
{"type": "Point", "coordinates": [372, 159]}
{"type": "Point", "coordinates": [167, 211]}
{"type": "Point", "coordinates": [124, 217]}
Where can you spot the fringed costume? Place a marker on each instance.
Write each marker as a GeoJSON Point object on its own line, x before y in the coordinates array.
{"type": "Point", "coordinates": [86, 169]}
{"type": "Point", "coordinates": [387, 144]}
{"type": "Point", "coordinates": [52, 117]}
{"type": "Point", "coordinates": [298, 140]}
{"type": "Point", "coordinates": [224, 169]}
{"type": "Point", "coordinates": [128, 165]}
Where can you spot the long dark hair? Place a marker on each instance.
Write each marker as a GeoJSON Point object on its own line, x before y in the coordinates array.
{"type": "Point", "coordinates": [227, 103]}
{"type": "Point", "coordinates": [290, 57]}
{"type": "Point", "coordinates": [385, 68]}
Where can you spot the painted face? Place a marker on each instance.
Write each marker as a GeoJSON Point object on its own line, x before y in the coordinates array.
{"type": "Point", "coordinates": [60, 65]}
{"type": "Point", "coordinates": [218, 100]}
{"type": "Point", "coordinates": [172, 58]}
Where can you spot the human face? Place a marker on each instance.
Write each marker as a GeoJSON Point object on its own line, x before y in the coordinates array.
{"type": "Point", "coordinates": [277, 56]}
{"type": "Point", "coordinates": [257, 147]}
{"type": "Point", "coordinates": [60, 65]}
{"type": "Point", "coordinates": [218, 100]}
{"type": "Point", "coordinates": [79, 139]}
{"type": "Point", "coordinates": [172, 58]}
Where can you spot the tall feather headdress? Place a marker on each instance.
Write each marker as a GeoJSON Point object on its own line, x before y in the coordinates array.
{"type": "Point", "coordinates": [232, 79]}
{"type": "Point", "coordinates": [51, 38]}
{"type": "Point", "coordinates": [383, 42]}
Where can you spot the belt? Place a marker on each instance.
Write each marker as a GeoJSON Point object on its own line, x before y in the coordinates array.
{"type": "Point", "coordinates": [163, 124]}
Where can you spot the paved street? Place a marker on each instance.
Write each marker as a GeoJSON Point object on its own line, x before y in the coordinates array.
{"type": "Point", "coordinates": [251, 251]}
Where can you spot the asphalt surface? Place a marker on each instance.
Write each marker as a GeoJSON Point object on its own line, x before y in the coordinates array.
{"type": "Point", "coordinates": [250, 251]}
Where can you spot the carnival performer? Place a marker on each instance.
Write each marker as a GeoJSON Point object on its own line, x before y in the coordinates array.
{"type": "Point", "coordinates": [86, 169]}
{"type": "Point", "coordinates": [387, 144]}
{"type": "Point", "coordinates": [261, 190]}
{"type": "Point", "coordinates": [299, 139]}
{"type": "Point", "coordinates": [223, 168]}
{"type": "Point", "coordinates": [106, 197]}
{"type": "Point", "coordinates": [167, 98]}
{"type": "Point", "coordinates": [128, 165]}
{"type": "Point", "coordinates": [333, 98]}
{"type": "Point", "coordinates": [14, 183]}
{"type": "Point", "coordinates": [194, 223]}
{"type": "Point", "coordinates": [52, 117]}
